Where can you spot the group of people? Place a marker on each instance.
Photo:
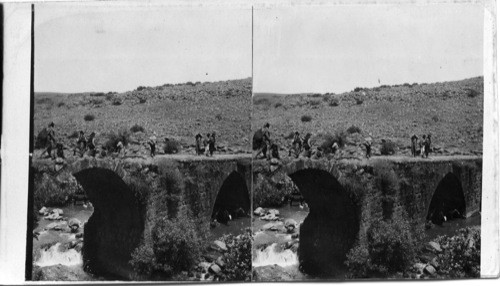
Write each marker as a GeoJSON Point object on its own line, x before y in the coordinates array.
{"type": "Point", "coordinates": [262, 144]}
{"type": "Point", "coordinates": [421, 147]}
{"type": "Point", "coordinates": [205, 146]}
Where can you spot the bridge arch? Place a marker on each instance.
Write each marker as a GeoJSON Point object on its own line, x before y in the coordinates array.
{"type": "Point", "coordinates": [331, 228]}
{"type": "Point", "coordinates": [233, 196]}
{"type": "Point", "coordinates": [115, 228]}
{"type": "Point", "coordinates": [448, 199]}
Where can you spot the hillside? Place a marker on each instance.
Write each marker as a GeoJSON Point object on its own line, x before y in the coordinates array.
{"type": "Point", "coordinates": [171, 111]}
{"type": "Point", "coordinates": [451, 111]}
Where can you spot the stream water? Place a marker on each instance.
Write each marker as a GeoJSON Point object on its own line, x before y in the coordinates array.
{"type": "Point", "coordinates": [271, 246]}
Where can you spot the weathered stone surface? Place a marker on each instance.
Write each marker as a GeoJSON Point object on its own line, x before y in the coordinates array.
{"type": "Point", "coordinates": [259, 211]}
{"type": "Point", "coordinates": [59, 273]}
{"type": "Point", "coordinates": [429, 269]}
{"type": "Point", "coordinates": [271, 273]}
{"type": "Point", "coordinates": [220, 245]}
{"type": "Point", "coordinates": [434, 246]}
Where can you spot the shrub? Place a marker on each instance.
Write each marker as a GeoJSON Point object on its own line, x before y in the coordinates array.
{"type": "Point", "coordinates": [278, 104]}
{"type": "Point", "coordinates": [461, 256]}
{"type": "Point", "coordinates": [326, 141]}
{"type": "Point", "coordinates": [315, 95]}
{"type": "Point", "coordinates": [333, 102]}
{"type": "Point", "coordinates": [472, 92]}
{"type": "Point", "coordinates": [435, 118]}
{"type": "Point", "coordinates": [141, 88]}
{"type": "Point", "coordinates": [142, 100]}
{"type": "Point", "coordinates": [406, 84]}
{"type": "Point", "coordinates": [176, 244]}
{"type": "Point", "coordinates": [136, 128]}
{"type": "Point", "coordinates": [96, 101]}
{"type": "Point", "coordinates": [190, 83]}
{"type": "Point", "coordinates": [143, 260]}
{"type": "Point", "coordinates": [171, 147]}
{"type": "Point", "coordinates": [387, 183]}
{"type": "Point", "coordinates": [113, 139]}
{"type": "Point", "coordinates": [306, 118]}
{"type": "Point", "coordinates": [359, 101]}
{"type": "Point", "coordinates": [261, 101]}
{"type": "Point", "coordinates": [53, 191]}
{"type": "Point", "coordinates": [358, 89]}
{"type": "Point", "coordinates": [269, 194]}
{"type": "Point", "coordinates": [116, 101]}
{"type": "Point", "coordinates": [61, 104]}
{"type": "Point", "coordinates": [89, 117]}
{"type": "Point", "coordinates": [353, 129]}
{"type": "Point", "coordinates": [218, 116]}
{"type": "Point", "coordinates": [388, 148]}
{"type": "Point", "coordinates": [238, 257]}
{"type": "Point", "coordinates": [290, 135]}
{"type": "Point", "coordinates": [390, 248]}
{"type": "Point", "coordinates": [110, 97]}
{"type": "Point", "coordinates": [73, 135]}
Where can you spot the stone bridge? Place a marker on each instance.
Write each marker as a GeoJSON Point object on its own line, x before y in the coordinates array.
{"type": "Point", "coordinates": [119, 220]}
{"type": "Point", "coordinates": [346, 196]}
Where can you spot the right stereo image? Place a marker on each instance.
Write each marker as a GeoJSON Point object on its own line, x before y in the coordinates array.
{"type": "Point", "coordinates": [367, 143]}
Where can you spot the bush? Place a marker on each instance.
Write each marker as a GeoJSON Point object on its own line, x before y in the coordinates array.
{"type": "Point", "coordinates": [117, 101]}
{"type": "Point", "coordinates": [89, 117]}
{"type": "Point", "coordinates": [334, 102]}
{"type": "Point", "coordinates": [314, 103]}
{"type": "Point", "coordinates": [387, 183]}
{"type": "Point", "coordinates": [171, 147]}
{"type": "Point", "coordinates": [142, 100]}
{"type": "Point", "coordinates": [51, 191]}
{"type": "Point", "coordinates": [472, 92]}
{"type": "Point", "coordinates": [306, 118]}
{"type": "Point", "coordinates": [261, 101]}
{"type": "Point", "coordinates": [113, 139]}
{"type": "Point", "coordinates": [47, 101]}
{"type": "Point", "coordinates": [269, 194]}
{"type": "Point", "coordinates": [61, 104]}
{"type": "Point", "coordinates": [353, 129]}
{"type": "Point", "coordinates": [435, 118]}
{"type": "Point", "coordinates": [388, 148]}
{"type": "Point", "coordinates": [136, 128]}
{"type": "Point", "coordinates": [96, 101]}
{"type": "Point", "coordinates": [218, 116]}
{"type": "Point", "coordinates": [358, 89]}
{"type": "Point", "coordinates": [326, 141]}
{"type": "Point", "coordinates": [359, 101]}
{"type": "Point", "coordinates": [461, 256]}
{"type": "Point", "coordinates": [73, 135]}
{"type": "Point", "coordinates": [238, 258]}
{"type": "Point", "coordinates": [278, 104]}
{"type": "Point", "coordinates": [141, 88]}
{"type": "Point", "coordinates": [390, 248]}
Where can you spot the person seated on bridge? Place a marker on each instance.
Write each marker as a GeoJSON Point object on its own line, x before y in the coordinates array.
{"type": "Point", "coordinates": [296, 145]}
{"type": "Point", "coordinates": [317, 153]}
{"type": "Point", "coordinates": [261, 141]}
{"type": "Point", "coordinates": [60, 151]}
{"type": "Point", "coordinates": [274, 153]}
{"type": "Point", "coordinates": [414, 142]}
{"type": "Point", "coordinates": [119, 147]}
{"type": "Point", "coordinates": [81, 144]}
{"type": "Point", "coordinates": [91, 144]}
{"type": "Point", "coordinates": [335, 147]}
{"type": "Point", "coordinates": [199, 144]}
{"type": "Point", "coordinates": [428, 145]}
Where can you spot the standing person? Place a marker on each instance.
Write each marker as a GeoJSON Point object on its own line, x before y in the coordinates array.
{"type": "Point", "coordinates": [422, 145]}
{"type": "Point", "coordinates": [306, 145]}
{"type": "Point", "coordinates": [91, 144]}
{"type": "Point", "coordinates": [262, 141]}
{"type": "Point", "coordinates": [152, 145]}
{"type": "Point", "coordinates": [414, 142]}
{"type": "Point", "coordinates": [206, 144]}
{"type": "Point", "coordinates": [427, 145]}
{"type": "Point", "coordinates": [368, 146]}
{"type": "Point", "coordinates": [211, 144]}
{"type": "Point", "coordinates": [51, 140]}
{"type": "Point", "coordinates": [199, 144]}
{"type": "Point", "coordinates": [296, 145]}
{"type": "Point", "coordinates": [119, 147]}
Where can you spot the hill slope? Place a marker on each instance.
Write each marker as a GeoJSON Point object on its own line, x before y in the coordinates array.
{"type": "Point", "coordinates": [451, 111]}
{"type": "Point", "coordinates": [174, 111]}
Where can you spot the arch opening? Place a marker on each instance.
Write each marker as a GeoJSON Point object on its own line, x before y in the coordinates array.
{"type": "Point", "coordinates": [115, 227]}
{"type": "Point", "coordinates": [233, 199]}
{"type": "Point", "coordinates": [448, 201]}
{"type": "Point", "coordinates": [331, 227]}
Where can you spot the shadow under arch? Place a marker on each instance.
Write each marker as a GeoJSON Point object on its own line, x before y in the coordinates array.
{"type": "Point", "coordinates": [115, 228]}
{"type": "Point", "coordinates": [233, 198]}
{"type": "Point", "coordinates": [331, 228]}
{"type": "Point", "coordinates": [448, 200]}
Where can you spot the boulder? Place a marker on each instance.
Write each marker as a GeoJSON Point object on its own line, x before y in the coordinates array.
{"type": "Point", "coordinates": [419, 267]}
{"type": "Point", "coordinates": [220, 245]}
{"type": "Point", "coordinates": [74, 224]}
{"type": "Point", "coordinates": [429, 269]}
{"type": "Point", "coordinates": [290, 225]}
{"type": "Point", "coordinates": [204, 266]}
{"type": "Point", "coordinates": [273, 212]}
{"type": "Point", "coordinates": [269, 217]}
{"type": "Point", "coordinates": [43, 211]}
{"type": "Point", "coordinates": [215, 269]}
{"type": "Point", "coordinates": [274, 226]}
{"type": "Point", "coordinates": [434, 262]}
{"type": "Point", "coordinates": [434, 246]}
{"type": "Point", "coordinates": [58, 211]}
{"type": "Point", "coordinates": [259, 211]}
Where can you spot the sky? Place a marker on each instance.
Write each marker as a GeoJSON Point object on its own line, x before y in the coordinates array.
{"type": "Point", "coordinates": [94, 47]}
{"type": "Point", "coordinates": [338, 48]}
